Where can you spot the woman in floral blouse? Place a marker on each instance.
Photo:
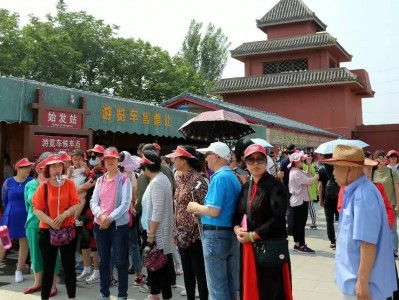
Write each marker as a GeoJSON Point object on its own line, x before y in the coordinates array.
{"type": "Point", "coordinates": [191, 186]}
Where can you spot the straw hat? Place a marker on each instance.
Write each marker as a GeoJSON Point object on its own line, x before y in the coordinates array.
{"type": "Point", "coordinates": [348, 156]}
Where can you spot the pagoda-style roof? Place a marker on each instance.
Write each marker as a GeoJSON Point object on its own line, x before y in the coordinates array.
{"type": "Point", "coordinates": [287, 80]}
{"type": "Point", "coordinates": [289, 11]}
{"type": "Point", "coordinates": [250, 114]}
{"type": "Point", "coordinates": [317, 40]}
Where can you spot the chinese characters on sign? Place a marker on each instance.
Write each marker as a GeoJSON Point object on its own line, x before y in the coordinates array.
{"type": "Point", "coordinates": [62, 119]}
{"type": "Point", "coordinates": [49, 143]}
{"type": "Point", "coordinates": [283, 138]}
{"type": "Point", "coordinates": [134, 116]}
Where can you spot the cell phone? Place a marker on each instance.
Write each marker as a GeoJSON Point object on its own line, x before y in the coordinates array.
{"type": "Point", "coordinates": [240, 171]}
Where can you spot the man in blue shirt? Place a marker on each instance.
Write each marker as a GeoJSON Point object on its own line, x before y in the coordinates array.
{"type": "Point", "coordinates": [364, 257]}
{"type": "Point", "coordinates": [220, 246]}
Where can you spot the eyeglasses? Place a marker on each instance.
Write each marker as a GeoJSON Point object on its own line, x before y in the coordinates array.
{"type": "Point", "coordinates": [381, 157]}
{"type": "Point", "coordinates": [252, 160]}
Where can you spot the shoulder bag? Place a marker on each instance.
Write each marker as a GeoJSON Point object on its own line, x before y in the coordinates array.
{"type": "Point", "coordinates": [64, 235]}
{"type": "Point", "coordinates": [153, 258]}
{"type": "Point", "coordinates": [272, 252]}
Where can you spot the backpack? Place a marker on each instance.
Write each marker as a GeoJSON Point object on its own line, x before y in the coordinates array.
{"type": "Point", "coordinates": [331, 190]}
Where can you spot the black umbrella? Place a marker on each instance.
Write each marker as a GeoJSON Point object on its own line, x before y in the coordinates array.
{"type": "Point", "coordinates": [216, 125]}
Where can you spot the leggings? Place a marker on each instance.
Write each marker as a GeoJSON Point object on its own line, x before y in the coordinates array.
{"type": "Point", "coordinates": [49, 253]}
{"type": "Point", "coordinates": [312, 212]}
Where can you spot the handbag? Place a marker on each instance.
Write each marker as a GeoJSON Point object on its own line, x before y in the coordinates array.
{"type": "Point", "coordinates": [268, 253]}
{"type": "Point", "coordinates": [154, 259]}
{"type": "Point", "coordinates": [271, 253]}
{"type": "Point", "coordinates": [62, 236]}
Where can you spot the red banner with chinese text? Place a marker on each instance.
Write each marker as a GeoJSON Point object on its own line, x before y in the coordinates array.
{"type": "Point", "coordinates": [62, 119]}
{"type": "Point", "coordinates": [43, 143]}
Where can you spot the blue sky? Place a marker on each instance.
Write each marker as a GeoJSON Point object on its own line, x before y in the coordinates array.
{"type": "Point", "coordinates": [367, 29]}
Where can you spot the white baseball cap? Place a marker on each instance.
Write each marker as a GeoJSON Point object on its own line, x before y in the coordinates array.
{"type": "Point", "coordinates": [218, 148]}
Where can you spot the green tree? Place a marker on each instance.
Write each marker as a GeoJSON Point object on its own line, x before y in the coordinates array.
{"type": "Point", "coordinates": [11, 46]}
{"type": "Point", "coordinates": [74, 49]}
{"type": "Point", "coordinates": [206, 53]}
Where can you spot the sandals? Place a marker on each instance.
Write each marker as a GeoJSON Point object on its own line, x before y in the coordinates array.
{"type": "Point", "coordinates": [53, 292]}
{"type": "Point", "coordinates": [32, 290]}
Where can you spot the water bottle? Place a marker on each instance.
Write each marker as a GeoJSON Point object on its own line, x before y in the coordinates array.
{"type": "Point", "coordinates": [5, 237]}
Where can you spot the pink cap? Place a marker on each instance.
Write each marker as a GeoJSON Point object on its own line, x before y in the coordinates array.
{"type": "Point", "coordinates": [40, 165]}
{"type": "Point", "coordinates": [390, 152]}
{"type": "Point", "coordinates": [97, 148]}
{"type": "Point", "coordinates": [251, 149]}
{"type": "Point", "coordinates": [53, 159]}
{"type": "Point", "coordinates": [111, 153]}
{"type": "Point", "coordinates": [147, 161]}
{"type": "Point", "coordinates": [23, 162]}
{"type": "Point", "coordinates": [65, 157]}
{"type": "Point", "coordinates": [180, 152]}
{"type": "Point", "coordinates": [295, 157]}
{"type": "Point", "coordinates": [157, 146]}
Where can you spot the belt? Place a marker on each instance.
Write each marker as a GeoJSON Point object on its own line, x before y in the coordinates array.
{"type": "Point", "coordinates": [213, 227]}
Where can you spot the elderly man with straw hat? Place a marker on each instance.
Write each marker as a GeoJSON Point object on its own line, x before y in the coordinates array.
{"type": "Point", "coordinates": [364, 268]}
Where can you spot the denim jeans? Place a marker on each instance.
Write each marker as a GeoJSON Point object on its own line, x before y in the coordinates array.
{"type": "Point", "coordinates": [134, 250]}
{"type": "Point", "coordinates": [113, 238]}
{"type": "Point", "coordinates": [221, 255]}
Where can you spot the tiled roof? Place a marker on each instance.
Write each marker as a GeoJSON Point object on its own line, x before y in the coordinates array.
{"type": "Point", "coordinates": [286, 80]}
{"type": "Point", "coordinates": [259, 116]}
{"type": "Point", "coordinates": [301, 42]}
{"type": "Point", "coordinates": [289, 11]}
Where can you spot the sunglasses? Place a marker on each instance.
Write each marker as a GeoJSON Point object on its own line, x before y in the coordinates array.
{"type": "Point", "coordinates": [251, 160]}
{"type": "Point", "coordinates": [392, 156]}
{"type": "Point", "coordinates": [94, 156]}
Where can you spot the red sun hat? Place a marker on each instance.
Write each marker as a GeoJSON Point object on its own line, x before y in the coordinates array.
{"type": "Point", "coordinates": [40, 165]}
{"type": "Point", "coordinates": [23, 162]}
{"type": "Point", "coordinates": [53, 159]}
{"type": "Point", "coordinates": [111, 153]}
{"type": "Point", "coordinates": [251, 149]}
{"type": "Point", "coordinates": [180, 152]}
{"type": "Point", "coordinates": [147, 161]}
{"type": "Point", "coordinates": [390, 152]}
{"type": "Point", "coordinates": [97, 148]}
{"type": "Point", "coordinates": [65, 157]}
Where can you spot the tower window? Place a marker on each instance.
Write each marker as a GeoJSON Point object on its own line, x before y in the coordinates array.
{"type": "Point", "coordinates": [285, 66]}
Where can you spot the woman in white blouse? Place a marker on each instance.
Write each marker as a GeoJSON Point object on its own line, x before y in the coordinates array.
{"type": "Point", "coordinates": [298, 185]}
{"type": "Point", "coordinates": [157, 220]}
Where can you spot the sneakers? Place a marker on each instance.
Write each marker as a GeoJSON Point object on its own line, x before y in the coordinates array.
{"type": "Point", "coordinates": [184, 293]}
{"type": "Point", "coordinates": [144, 288]}
{"type": "Point", "coordinates": [131, 271]}
{"type": "Point", "coordinates": [101, 297]}
{"type": "Point", "coordinates": [313, 227]}
{"type": "Point", "coordinates": [121, 298]}
{"type": "Point", "coordinates": [153, 297]}
{"type": "Point", "coordinates": [178, 269]}
{"type": "Point", "coordinates": [305, 250]}
{"type": "Point", "coordinates": [18, 276]}
{"type": "Point", "coordinates": [83, 276]}
{"type": "Point", "coordinates": [296, 248]}
{"type": "Point", "coordinates": [94, 278]}
{"type": "Point", "coordinates": [139, 280]}
{"type": "Point", "coordinates": [332, 246]}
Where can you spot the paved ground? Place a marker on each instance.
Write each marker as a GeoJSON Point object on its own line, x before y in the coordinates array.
{"type": "Point", "coordinates": [312, 274]}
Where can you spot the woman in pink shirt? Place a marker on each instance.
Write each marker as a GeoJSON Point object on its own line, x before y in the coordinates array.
{"type": "Point", "coordinates": [110, 204]}
{"type": "Point", "coordinates": [298, 184]}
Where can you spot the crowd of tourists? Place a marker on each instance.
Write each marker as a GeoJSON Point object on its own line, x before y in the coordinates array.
{"type": "Point", "coordinates": [218, 216]}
